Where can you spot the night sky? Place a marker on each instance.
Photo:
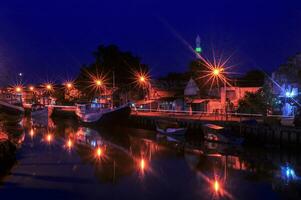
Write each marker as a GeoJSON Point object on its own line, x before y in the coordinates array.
{"type": "Point", "coordinates": [52, 39]}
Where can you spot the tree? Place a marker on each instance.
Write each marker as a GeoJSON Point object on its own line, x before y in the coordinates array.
{"type": "Point", "coordinates": [109, 61]}
{"type": "Point", "coordinates": [260, 102]}
{"type": "Point", "coordinates": [252, 103]}
{"type": "Point", "coordinates": [255, 78]}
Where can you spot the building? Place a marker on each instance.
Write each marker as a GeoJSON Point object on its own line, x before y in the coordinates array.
{"type": "Point", "coordinates": [286, 84]}
{"type": "Point", "coordinates": [217, 100]}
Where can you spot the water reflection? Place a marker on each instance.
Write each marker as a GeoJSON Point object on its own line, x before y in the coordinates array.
{"type": "Point", "coordinates": [211, 171]}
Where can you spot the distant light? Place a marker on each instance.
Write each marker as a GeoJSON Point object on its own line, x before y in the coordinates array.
{"type": "Point", "coordinates": [290, 94]}
{"type": "Point", "coordinates": [142, 79]}
{"type": "Point", "coordinates": [98, 82]}
{"type": "Point", "coordinates": [142, 164]}
{"type": "Point", "coordinates": [69, 144]}
{"type": "Point", "coordinates": [31, 133]}
{"type": "Point", "coordinates": [216, 186]}
{"type": "Point", "coordinates": [31, 88]}
{"type": "Point", "coordinates": [69, 85]}
{"type": "Point", "coordinates": [99, 152]}
{"type": "Point", "coordinates": [49, 87]}
{"type": "Point", "coordinates": [216, 71]}
{"type": "Point", "coordinates": [49, 138]}
{"type": "Point", "coordinates": [20, 74]}
{"type": "Point", "coordinates": [198, 49]}
{"type": "Point", "coordinates": [18, 89]}
{"type": "Point", "coordinates": [288, 173]}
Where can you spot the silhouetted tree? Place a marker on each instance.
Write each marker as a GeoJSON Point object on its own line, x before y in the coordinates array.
{"type": "Point", "coordinates": [111, 60]}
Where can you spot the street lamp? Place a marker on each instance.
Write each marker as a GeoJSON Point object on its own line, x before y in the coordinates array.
{"type": "Point", "coordinates": [31, 88]}
{"type": "Point", "coordinates": [18, 89]}
{"type": "Point", "coordinates": [98, 82]}
{"type": "Point", "coordinates": [69, 85]}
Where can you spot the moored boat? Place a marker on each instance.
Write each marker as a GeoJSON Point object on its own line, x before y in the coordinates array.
{"type": "Point", "coordinates": [88, 114]}
{"type": "Point", "coordinates": [11, 109]}
{"type": "Point", "coordinates": [216, 133]}
{"type": "Point", "coordinates": [168, 127]}
{"type": "Point", "coordinates": [39, 111]}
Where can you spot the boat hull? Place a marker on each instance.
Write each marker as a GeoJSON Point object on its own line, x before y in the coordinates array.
{"type": "Point", "coordinates": [107, 118]}
{"type": "Point", "coordinates": [10, 109]}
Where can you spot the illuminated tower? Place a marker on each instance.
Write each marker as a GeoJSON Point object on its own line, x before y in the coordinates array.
{"type": "Point", "coordinates": [198, 48]}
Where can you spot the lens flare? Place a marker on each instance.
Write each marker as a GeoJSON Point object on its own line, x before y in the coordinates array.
{"type": "Point", "coordinates": [49, 138]}
{"type": "Point", "coordinates": [98, 152]}
{"type": "Point", "coordinates": [31, 133]}
{"type": "Point", "coordinates": [31, 88]}
{"type": "Point", "coordinates": [69, 144]}
{"type": "Point", "coordinates": [141, 78]}
{"type": "Point", "coordinates": [142, 164]}
{"type": "Point", "coordinates": [216, 186]}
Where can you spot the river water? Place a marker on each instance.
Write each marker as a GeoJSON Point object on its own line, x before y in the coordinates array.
{"type": "Point", "coordinates": [64, 160]}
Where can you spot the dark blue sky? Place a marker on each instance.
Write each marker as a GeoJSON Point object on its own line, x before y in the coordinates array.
{"type": "Point", "coordinates": [44, 38]}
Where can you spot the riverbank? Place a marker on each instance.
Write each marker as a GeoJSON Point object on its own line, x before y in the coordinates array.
{"type": "Point", "coordinates": [254, 133]}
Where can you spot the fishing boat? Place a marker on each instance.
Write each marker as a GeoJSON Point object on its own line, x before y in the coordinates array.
{"type": "Point", "coordinates": [90, 114]}
{"type": "Point", "coordinates": [216, 133]}
{"type": "Point", "coordinates": [39, 111]}
{"type": "Point", "coordinates": [11, 109]}
{"type": "Point", "coordinates": [11, 112]}
{"type": "Point", "coordinates": [168, 127]}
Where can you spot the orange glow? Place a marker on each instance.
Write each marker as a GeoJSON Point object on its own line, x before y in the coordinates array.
{"type": "Point", "coordinates": [18, 89]}
{"type": "Point", "coordinates": [98, 82]}
{"type": "Point", "coordinates": [49, 138]}
{"type": "Point", "coordinates": [49, 86]}
{"type": "Point", "coordinates": [216, 186]}
{"type": "Point", "coordinates": [69, 144]}
{"type": "Point", "coordinates": [142, 164]}
{"type": "Point", "coordinates": [69, 85]}
{"type": "Point", "coordinates": [31, 88]}
{"type": "Point", "coordinates": [142, 79]}
{"type": "Point", "coordinates": [216, 71]}
{"type": "Point", "coordinates": [99, 152]}
{"type": "Point", "coordinates": [31, 133]}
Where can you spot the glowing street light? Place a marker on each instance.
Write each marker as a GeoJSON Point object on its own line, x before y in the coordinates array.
{"type": "Point", "coordinates": [48, 86]}
{"type": "Point", "coordinates": [216, 71]}
{"type": "Point", "coordinates": [142, 164]}
{"type": "Point", "coordinates": [31, 133]}
{"type": "Point", "coordinates": [216, 186]}
{"type": "Point", "coordinates": [98, 82]}
{"type": "Point", "coordinates": [142, 79]}
{"type": "Point", "coordinates": [31, 88]}
{"type": "Point", "coordinates": [98, 152]}
{"type": "Point", "coordinates": [49, 138]}
{"type": "Point", "coordinates": [18, 89]}
{"type": "Point", "coordinates": [69, 85]}
{"type": "Point", "coordinates": [69, 144]}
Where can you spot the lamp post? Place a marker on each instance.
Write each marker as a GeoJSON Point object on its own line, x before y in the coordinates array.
{"type": "Point", "coordinates": [143, 80]}
{"type": "Point", "coordinates": [217, 72]}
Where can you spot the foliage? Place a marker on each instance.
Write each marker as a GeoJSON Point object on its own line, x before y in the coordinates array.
{"type": "Point", "coordinates": [254, 78]}
{"type": "Point", "coordinates": [109, 61]}
{"type": "Point", "coordinates": [260, 102]}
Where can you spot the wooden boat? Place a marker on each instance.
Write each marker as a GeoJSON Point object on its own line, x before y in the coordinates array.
{"type": "Point", "coordinates": [215, 133]}
{"type": "Point", "coordinates": [87, 114]}
{"type": "Point", "coordinates": [167, 127]}
{"type": "Point", "coordinates": [11, 109]}
{"type": "Point", "coordinates": [39, 111]}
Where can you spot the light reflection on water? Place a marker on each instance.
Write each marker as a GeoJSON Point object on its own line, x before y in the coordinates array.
{"type": "Point", "coordinates": [144, 165]}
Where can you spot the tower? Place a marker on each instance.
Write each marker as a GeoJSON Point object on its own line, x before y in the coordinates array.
{"type": "Point", "coordinates": [198, 48]}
